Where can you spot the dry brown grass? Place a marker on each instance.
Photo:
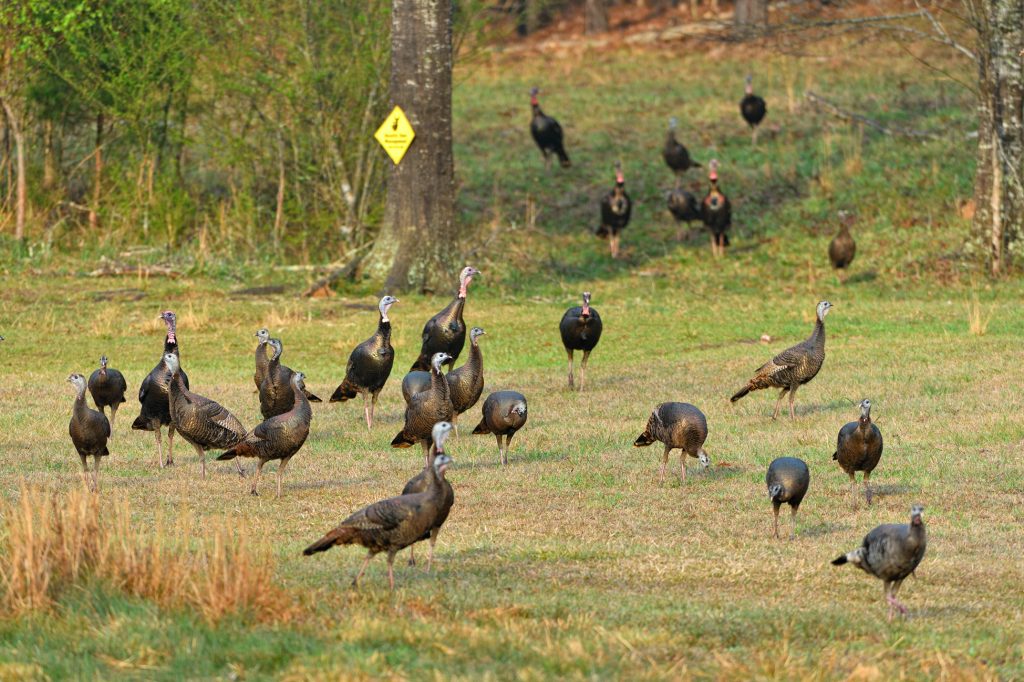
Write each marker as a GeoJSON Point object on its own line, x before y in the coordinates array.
{"type": "Point", "coordinates": [52, 542]}
{"type": "Point", "coordinates": [978, 317]}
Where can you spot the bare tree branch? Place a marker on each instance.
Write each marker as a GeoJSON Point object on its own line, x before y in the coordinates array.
{"type": "Point", "coordinates": [823, 104]}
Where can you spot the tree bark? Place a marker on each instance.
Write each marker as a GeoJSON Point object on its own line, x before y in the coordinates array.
{"type": "Point", "coordinates": [415, 243]}
{"type": "Point", "coordinates": [750, 15]}
{"type": "Point", "coordinates": [49, 158]}
{"type": "Point", "coordinates": [999, 178]}
{"type": "Point", "coordinates": [21, 194]}
{"type": "Point", "coordinates": [595, 17]}
{"type": "Point", "coordinates": [97, 175]}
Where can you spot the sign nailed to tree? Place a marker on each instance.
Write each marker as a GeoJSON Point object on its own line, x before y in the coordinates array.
{"type": "Point", "coordinates": [395, 134]}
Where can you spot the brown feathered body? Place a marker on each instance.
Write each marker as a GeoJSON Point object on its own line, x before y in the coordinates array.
{"type": "Point", "coordinates": [390, 525]}
{"type": "Point", "coordinates": [107, 388]}
{"type": "Point", "coordinates": [677, 425]}
{"type": "Point", "coordinates": [466, 383]}
{"type": "Point", "coordinates": [794, 478]}
{"type": "Point", "coordinates": [420, 483]}
{"type": "Point", "coordinates": [280, 436]}
{"type": "Point", "coordinates": [842, 248]}
{"type": "Point", "coordinates": [263, 355]}
{"type": "Point", "coordinates": [445, 332]}
{"type": "Point", "coordinates": [792, 367]}
{"type": "Point", "coordinates": [424, 410]}
{"type": "Point", "coordinates": [201, 421]}
{"type": "Point", "coordinates": [153, 393]}
{"type": "Point", "coordinates": [369, 365]}
{"type": "Point", "coordinates": [504, 413]}
{"type": "Point", "coordinates": [276, 390]}
{"type": "Point", "coordinates": [89, 430]}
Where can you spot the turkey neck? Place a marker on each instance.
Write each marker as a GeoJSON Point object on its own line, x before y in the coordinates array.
{"type": "Point", "coordinates": [917, 534]}
{"type": "Point", "coordinates": [452, 313]}
{"type": "Point", "coordinates": [171, 344]}
{"type": "Point", "coordinates": [438, 383]}
{"type": "Point", "coordinates": [383, 332]}
{"type": "Point", "coordinates": [476, 358]}
{"type": "Point", "coordinates": [177, 387]}
{"type": "Point", "coordinates": [818, 335]}
{"type": "Point", "coordinates": [81, 408]}
{"type": "Point", "coordinates": [302, 407]}
{"type": "Point", "coordinates": [865, 424]}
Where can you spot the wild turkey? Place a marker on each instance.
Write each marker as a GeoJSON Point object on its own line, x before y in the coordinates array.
{"type": "Point", "coordinates": [419, 483]}
{"type": "Point", "coordinates": [615, 211]}
{"type": "Point", "coordinates": [393, 524]}
{"type": "Point", "coordinates": [277, 438]}
{"type": "Point", "coordinates": [787, 480]}
{"type": "Point", "coordinates": [842, 248]}
{"type": "Point", "coordinates": [89, 431]}
{"type": "Point", "coordinates": [684, 207]}
{"type": "Point", "coordinates": [859, 448]}
{"type": "Point", "coordinates": [547, 134]}
{"type": "Point", "coordinates": [716, 212]}
{"type": "Point", "coordinates": [153, 395]}
{"type": "Point", "coordinates": [675, 154]}
{"type": "Point", "coordinates": [107, 387]}
{"type": "Point", "coordinates": [262, 356]}
{"type": "Point", "coordinates": [504, 413]}
{"type": "Point", "coordinates": [276, 389]}
{"type": "Point", "coordinates": [793, 367]}
{"type": "Point", "coordinates": [581, 330]}
{"type": "Point", "coordinates": [446, 331]}
{"type": "Point", "coordinates": [891, 552]}
{"type": "Point", "coordinates": [753, 109]}
{"type": "Point", "coordinates": [677, 425]}
{"type": "Point", "coordinates": [199, 420]}
{"type": "Point", "coordinates": [426, 409]}
{"type": "Point", "coordinates": [369, 365]}
{"type": "Point", "coordinates": [465, 383]}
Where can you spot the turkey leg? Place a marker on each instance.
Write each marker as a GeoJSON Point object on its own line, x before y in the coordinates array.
{"type": "Point", "coordinates": [159, 448]}
{"type": "Point", "coordinates": [778, 403]}
{"type": "Point", "coordinates": [775, 510]}
{"type": "Point", "coordinates": [170, 445]}
{"type": "Point", "coordinates": [501, 451]}
{"type": "Point", "coordinates": [366, 562]}
{"type": "Point", "coordinates": [792, 397]}
{"type": "Point", "coordinates": [202, 458]}
{"type": "Point", "coordinates": [792, 516]}
{"type": "Point", "coordinates": [682, 466]}
{"type": "Point", "coordinates": [664, 465]}
{"type": "Point", "coordinates": [867, 486]}
{"type": "Point", "coordinates": [96, 475]}
{"type": "Point", "coordinates": [113, 415]}
{"type": "Point", "coordinates": [433, 538]}
{"type": "Point", "coordinates": [391, 570]}
{"type": "Point", "coordinates": [570, 353]}
{"type": "Point", "coordinates": [583, 367]}
{"type": "Point", "coordinates": [256, 478]}
{"type": "Point", "coordinates": [366, 412]}
{"type": "Point", "coordinates": [280, 473]}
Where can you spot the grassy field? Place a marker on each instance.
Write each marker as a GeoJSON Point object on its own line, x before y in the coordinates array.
{"type": "Point", "coordinates": [572, 562]}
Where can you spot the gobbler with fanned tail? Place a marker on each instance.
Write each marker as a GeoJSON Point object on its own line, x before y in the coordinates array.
{"type": "Point", "coordinates": [369, 365]}
{"type": "Point", "coordinates": [446, 331]}
{"type": "Point", "coordinates": [393, 524]}
{"type": "Point", "coordinates": [793, 367]}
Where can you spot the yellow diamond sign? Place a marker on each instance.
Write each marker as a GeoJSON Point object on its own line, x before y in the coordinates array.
{"type": "Point", "coordinates": [395, 134]}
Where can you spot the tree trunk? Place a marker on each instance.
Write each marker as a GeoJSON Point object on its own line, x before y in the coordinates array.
{"type": "Point", "coordinates": [596, 17]}
{"type": "Point", "coordinates": [999, 177]}
{"type": "Point", "coordinates": [415, 243]}
{"type": "Point", "coordinates": [49, 158]}
{"type": "Point", "coordinates": [750, 16]}
{"type": "Point", "coordinates": [21, 194]}
{"type": "Point", "coordinates": [97, 175]}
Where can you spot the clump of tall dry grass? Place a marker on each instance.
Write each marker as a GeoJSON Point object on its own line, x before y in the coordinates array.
{"type": "Point", "coordinates": [51, 542]}
{"type": "Point", "coordinates": [977, 319]}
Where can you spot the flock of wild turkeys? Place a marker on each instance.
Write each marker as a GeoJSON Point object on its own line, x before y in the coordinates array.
{"type": "Point", "coordinates": [435, 399]}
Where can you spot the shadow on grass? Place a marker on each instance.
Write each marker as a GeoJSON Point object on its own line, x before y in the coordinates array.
{"type": "Point", "coordinates": [862, 277]}
{"type": "Point", "coordinates": [821, 529]}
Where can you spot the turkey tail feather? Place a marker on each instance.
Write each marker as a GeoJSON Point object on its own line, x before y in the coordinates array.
{"type": "Point", "coordinates": [338, 536]}
{"type": "Point", "coordinates": [481, 428]}
{"type": "Point", "coordinates": [402, 441]}
{"type": "Point", "coordinates": [345, 391]}
{"type": "Point", "coordinates": [644, 439]}
{"type": "Point", "coordinates": [839, 560]}
{"type": "Point", "coordinates": [739, 394]}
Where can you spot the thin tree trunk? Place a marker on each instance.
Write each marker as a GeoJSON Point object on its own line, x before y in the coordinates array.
{"type": "Point", "coordinates": [97, 175]}
{"type": "Point", "coordinates": [415, 244]}
{"type": "Point", "coordinates": [49, 158]}
{"type": "Point", "coordinates": [595, 17]}
{"type": "Point", "coordinates": [279, 212]}
{"type": "Point", "coordinates": [21, 194]}
{"type": "Point", "coordinates": [750, 15]}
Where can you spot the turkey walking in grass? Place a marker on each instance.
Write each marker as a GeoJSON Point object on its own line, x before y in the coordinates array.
{"type": "Point", "coordinates": [684, 207]}
{"type": "Point", "coordinates": [787, 480]}
{"type": "Point", "coordinates": [753, 109]}
{"type": "Point", "coordinates": [679, 426]}
{"type": "Point", "coordinates": [716, 212]}
{"type": "Point", "coordinates": [581, 330]}
{"type": "Point", "coordinates": [465, 384]}
{"type": "Point", "coordinates": [421, 482]}
{"type": "Point", "coordinates": [793, 367]}
{"type": "Point", "coordinates": [891, 552]}
{"type": "Point", "coordinates": [277, 438]}
{"type": "Point", "coordinates": [276, 388]}
{"type": "Point", "coordinates": [859, 448]}
{"type": "Point", "coordinates": [426, 409]}
{"type": "Point", "coordinates": [842, 248]}
{"type": "Point", "coordinates": [369, 365]}
{"type": "Point", "coordinates": [504, 413]}
{"type": "Point", "coordinates": [616, 209]}
{"type": "Point", "coordinates": [446, 331]}
{"type": "Point", "coordinates": [676, 156]}
{"type": "Point", "coordinates": [107, 387]}
{"type": "Point", "coordinates": [199, 420]}
{"type": "Point", "coordinates": [153, 394]}
{"type": "Point", "coordinates": [89, 432]}
{"type": "Point", "coordinates": [547, 133]}
{"type": "Point", "coordinates": [393, 524]}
